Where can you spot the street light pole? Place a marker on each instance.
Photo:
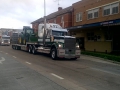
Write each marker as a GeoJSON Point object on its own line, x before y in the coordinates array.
{"type": "Point", "coordinates": [44, 23]}
{"type": "Point", "coordinates": [45, 13]}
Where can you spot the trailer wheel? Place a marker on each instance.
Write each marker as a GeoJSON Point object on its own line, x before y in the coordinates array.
{"type": "Point", "coordinates": [30, 49]}
{"type": "Point", "coordinates": [54, 54]}
{"type": "Point", "coordinates": [33, 51]}
{"type": "Point", "coordinates": [16, 47]}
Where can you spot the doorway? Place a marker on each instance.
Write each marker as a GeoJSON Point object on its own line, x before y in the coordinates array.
{"type": "Point", "coordinates": [116, 38]}
{"type": "Point", "coordinates": [81, 43]}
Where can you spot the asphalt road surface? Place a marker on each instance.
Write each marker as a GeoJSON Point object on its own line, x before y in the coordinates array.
{"type": "Point", "coordinates": [86, 73]}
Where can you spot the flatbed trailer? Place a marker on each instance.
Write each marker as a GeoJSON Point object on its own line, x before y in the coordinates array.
{"type": "Point", "coordinates": [35, 48]}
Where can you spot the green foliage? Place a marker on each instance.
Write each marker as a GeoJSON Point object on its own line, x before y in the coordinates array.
{"type": "Point", "coordinates": [102, 55]}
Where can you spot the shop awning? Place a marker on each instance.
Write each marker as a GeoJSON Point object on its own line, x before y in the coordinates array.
{"type": "Point", "coordinates": [105, 23]}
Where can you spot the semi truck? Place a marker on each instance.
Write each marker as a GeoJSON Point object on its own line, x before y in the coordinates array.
{"type": "Point", "coordinates": [5, 40]}
{"type": "Point", "coordinates": [54, 40]}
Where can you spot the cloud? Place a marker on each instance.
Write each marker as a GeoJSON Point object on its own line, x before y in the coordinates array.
{"type": "Point", "coordinates": [18, 13]}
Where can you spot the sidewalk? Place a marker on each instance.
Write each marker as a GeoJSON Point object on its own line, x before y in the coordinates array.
{"type": "Point", "coordinates": [15, 76]}
{"type": "Point", "coordinates": [98, 59]}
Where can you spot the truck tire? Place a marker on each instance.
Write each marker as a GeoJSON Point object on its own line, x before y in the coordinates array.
{"type": "Point", "coordinates": [16, 47]}
{"type": "Point", "coordinates": [74, 59]}
{"type": "Point", "coordinates": [54, 54]}
{"type": "Point", "coordinates": [33, 51]}
{"type": "Point", "coordinates": [13, 47]}
{"type": "Point", "coordinates": [30, 49]}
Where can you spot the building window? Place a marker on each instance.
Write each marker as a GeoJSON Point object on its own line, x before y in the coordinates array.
{"type": "Point", "coordinates": [93, 13]}
{"type": "Point", "coordinates": [115, 8]}
{"type": "Point", "coordinates": [90, 36]}
{"type": "Point", "coordinates": [62, 19]}
{"type": "Point", "coordinates": [78, 17]}
{"type": "Point", "coordinates": [111, 9]}
{"type": "Point", "coordinates": [90, 15]}
{"type": "Point", "coordinates": [54, 20]}
{"type": "Point", "coordinates": [98, 37]}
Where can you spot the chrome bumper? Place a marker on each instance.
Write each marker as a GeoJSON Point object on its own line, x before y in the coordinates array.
{"type": "Point", "coordinates": [61, 54]}
{"type": "Point", "coordinates": [5, 43]}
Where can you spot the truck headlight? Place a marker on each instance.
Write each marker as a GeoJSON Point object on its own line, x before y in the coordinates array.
{"type": "Point", "coordinates": [2, 42]}
{"type": "Point", "coordinates": [60, 46]}
{"type": "Point", "coordinates": [77, 46]}
{"type": "Point", "coordinates": [8, 42]}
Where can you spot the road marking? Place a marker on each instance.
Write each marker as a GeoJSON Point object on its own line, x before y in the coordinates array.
{"type": "Point", "coordinates": [56, 76]}
{"type": "Point", "coordinates": [3, 59]}
{"type": "Point", "coordinates": [14, 57]}
{"type": "Point", "coordinates": [28, 63]}
{"type": "Point", "coordinates": [6, 53]}
{"type": "Point", "coordinates": [1, 51]}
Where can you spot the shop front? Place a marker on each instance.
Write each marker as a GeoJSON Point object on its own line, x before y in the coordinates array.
{"type": "Point", "coordinates": [98, 37]}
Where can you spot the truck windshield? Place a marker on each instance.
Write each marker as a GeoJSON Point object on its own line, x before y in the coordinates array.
{"type": "Point", "coordinates": [30, 31]}
{"type": "Point", "coordinates": [59, 33]}
{"type": "Point", "coordinates": [5, 37]}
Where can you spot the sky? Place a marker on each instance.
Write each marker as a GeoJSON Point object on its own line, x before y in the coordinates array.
{"type": "Point", "coordinates": [18, 13]}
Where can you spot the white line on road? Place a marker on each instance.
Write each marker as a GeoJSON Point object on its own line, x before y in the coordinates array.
{"type": "Point", "coordinates": [28, 63]}
{"type": "Point", "coordinates": [3, 59]}
{"type": "Point", "coordinates": [6, 53]}
{"type": "Point", "coordinates": [56, 76]}
{"type": "Point", "coordinates": [1, 51]}
{"type": "Point", "coordinates": [14, 57]}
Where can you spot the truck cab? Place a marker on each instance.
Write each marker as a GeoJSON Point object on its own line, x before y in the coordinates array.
{"type": "Point", "coordinates": [5, 40]}
{"type": "Point", "coordinates": [57, 41]}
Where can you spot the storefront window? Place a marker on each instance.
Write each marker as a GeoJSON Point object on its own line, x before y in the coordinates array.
{"type": "Point", "coordinates": [108, 35]}
{"type": "Point", "coordinates": [90, 36]}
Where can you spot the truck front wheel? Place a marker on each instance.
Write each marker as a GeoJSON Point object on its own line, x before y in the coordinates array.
{"type": "Point", "coordinates": [74, 59]}
{"type": "Point", "coordinates": [54, 54]}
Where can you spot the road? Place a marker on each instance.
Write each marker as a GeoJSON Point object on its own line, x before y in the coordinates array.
{"type": "Point", "coordinates": [86, 73]}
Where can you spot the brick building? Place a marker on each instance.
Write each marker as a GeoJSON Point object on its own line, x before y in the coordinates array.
{"type": "Point", "coordinates": [96, 24]}
{"type": "Point", "coordinates": [61, 17]}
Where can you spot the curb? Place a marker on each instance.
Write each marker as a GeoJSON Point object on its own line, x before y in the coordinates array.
{"type": "Point", "coordinates": [101, 59]}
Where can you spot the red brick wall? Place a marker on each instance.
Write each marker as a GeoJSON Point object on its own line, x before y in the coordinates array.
{"type": "Point", "coordinates": [84, 5]}
{"type": "Point", "coordinates": [35, 27]}
{"type": "Point", "coordinates": [67, 18]}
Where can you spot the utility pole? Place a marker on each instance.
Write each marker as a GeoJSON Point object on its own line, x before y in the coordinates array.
{"type": "Point", "coordinates": [44, 23]}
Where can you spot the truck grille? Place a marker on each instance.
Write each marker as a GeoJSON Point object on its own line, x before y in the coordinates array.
{"type": "Point", "coordinates": [70, 43]}
{"type": "Point", "coordinates": [5, 41]}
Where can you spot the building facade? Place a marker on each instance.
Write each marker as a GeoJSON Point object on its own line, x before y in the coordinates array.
{"type": "Point", "coordinates": [96, 24]}
{"type": "Point", "coordinates": [61, 17]}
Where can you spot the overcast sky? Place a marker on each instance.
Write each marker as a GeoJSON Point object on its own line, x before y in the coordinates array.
{"type": "Point", "coordinates": [18, 13]}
